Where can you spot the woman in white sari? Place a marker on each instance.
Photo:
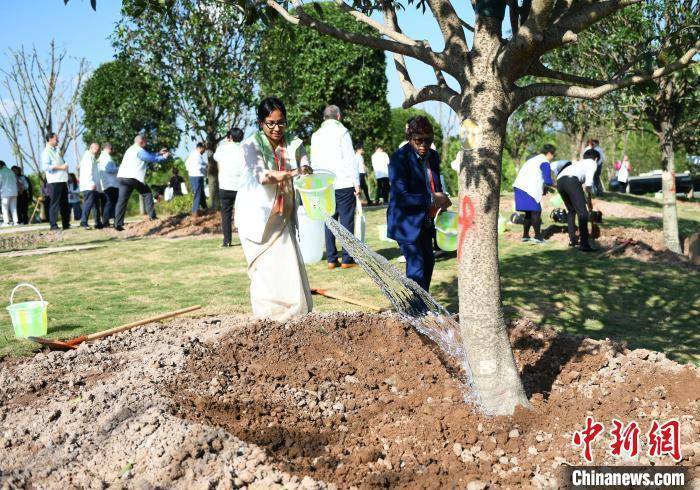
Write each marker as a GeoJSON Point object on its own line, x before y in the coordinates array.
{"type": "Point", "coordinates": [265, 214]}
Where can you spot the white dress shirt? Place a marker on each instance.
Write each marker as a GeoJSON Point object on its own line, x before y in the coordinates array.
{"type": "Point", "coordinates": [51, 158]}
{"type": "Point", "coordinates": [583, 170]}
{"type": "Point", "coordinates": [229, 157]}
{"type": "Point", "coordinates": [360, 163]}
{"type": "Point", "coordinates": [331, 149]}
{"type": "Point", "coordinates": [107, 170]}
{"type": "Point", "coordinates": [380, 164]}
{"type": "Point", "coordinates": [196, 164]}
{"type": "Point", "coordinates": [89, 177]}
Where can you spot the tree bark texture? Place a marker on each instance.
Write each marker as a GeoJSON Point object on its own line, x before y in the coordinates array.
{"type": "Point", "coordinates": [213, 173]}
{"type": "Point", "coordinates": [495, 373]}
{"type": "Point", "coordinates": [668, 187]}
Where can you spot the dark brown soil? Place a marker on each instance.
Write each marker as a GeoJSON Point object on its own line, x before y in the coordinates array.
{"type": "Point", "coordinates": [362, 400]}
{"type": "Point", "coordinates": [180, 225]}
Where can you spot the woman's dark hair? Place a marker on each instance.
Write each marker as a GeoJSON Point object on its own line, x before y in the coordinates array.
{"type": "Point", "coordinates": [72, 176]}
{"type": "Point", "coordinates": [548, 149]}
{"type": "Point", "coordinates": [591, 154]}
{"type": "Point", "coordinates": [236, 134]}
{"type": "Point", "coordinates": [419, 125]}
{"type": "Point", "coordinates": [268, 105]}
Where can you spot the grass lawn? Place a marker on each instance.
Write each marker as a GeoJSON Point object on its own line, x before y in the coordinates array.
{"type": "Point", "coordinates": [648, 306]}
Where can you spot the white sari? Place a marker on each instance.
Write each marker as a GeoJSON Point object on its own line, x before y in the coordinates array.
{"type": "Point", "coordinates": [279, 287]}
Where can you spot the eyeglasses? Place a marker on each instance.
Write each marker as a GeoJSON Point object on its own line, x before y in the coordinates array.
{"type": "Point", "coordinates": [423, 141]}
{"type": "Point", "coordinates": [272, 124]}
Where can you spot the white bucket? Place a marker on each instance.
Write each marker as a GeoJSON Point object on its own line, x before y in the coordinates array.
{"type": "Point", "coordinates": [311, 237]}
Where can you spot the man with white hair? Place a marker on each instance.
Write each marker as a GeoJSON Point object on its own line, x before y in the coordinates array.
{"type": "Point", "coordinates": [132, 175]}
{"type": "Point", "coordinates": [331, 149]}
{"type": "Point", "coordinates": [90, 186]}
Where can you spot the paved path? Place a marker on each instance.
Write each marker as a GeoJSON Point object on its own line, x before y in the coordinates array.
{"type": "Point", "coordinates": [52, 250]}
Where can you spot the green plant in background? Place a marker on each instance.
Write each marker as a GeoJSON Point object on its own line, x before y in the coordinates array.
{"type": "Point", "coordinates": [120, 100]}
{"type": "Point", "coordinates": [177, 205]}
{"type": "Point", "coordinates": [326, 71]}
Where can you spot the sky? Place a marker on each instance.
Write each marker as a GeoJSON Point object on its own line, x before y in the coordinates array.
{"type": "Point", "coordinates": [85, 33]}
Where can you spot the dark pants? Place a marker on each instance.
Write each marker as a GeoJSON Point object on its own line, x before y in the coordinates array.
{"type": "Point", "coordinates": [382, 190]}
{"type": "Point", "coordinates": [363, 186]}
{"type": "Point", "coordinates": [91, 201]}
{"type": "Point", "coordinates": [533, 219]}
{"type": "Point", "coordinates": [198, 198]}
{"type": "Point", "coordinates": [23, 208]}
{"type": "Point", "coordinates": [419, 257]}
{"type": "Point", "coordinates": [76, 209]}
{"type": "Point", "coordinates": [59, 205]}
{"type": "Point", "coordinates": [126, 186]}
{"type": "Point", "coordinates": [621, 187]}
{"type": "Point", "coordinates": [597, 183]}
{"type": "Point", "coordinates": [111, 195]}
{"type": "Point", "coordinates": [345, 203]}
{"type": "Point", "coordinates": [574, 199]}
{"type": "Point", "coordinates": [228, 199]}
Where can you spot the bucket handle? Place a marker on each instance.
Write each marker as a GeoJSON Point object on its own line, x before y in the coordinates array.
{"type": "Point", "coordinates": [25, 284]}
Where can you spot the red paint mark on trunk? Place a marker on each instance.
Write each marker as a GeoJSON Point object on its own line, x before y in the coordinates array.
{"type": "Point", "coordinates": [466, 221]}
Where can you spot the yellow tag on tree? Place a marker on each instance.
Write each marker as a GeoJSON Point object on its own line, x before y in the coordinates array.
{"type": "Point", "coordinates": [470, 134]}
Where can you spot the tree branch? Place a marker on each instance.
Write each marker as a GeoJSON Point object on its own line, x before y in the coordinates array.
{"type": "Point", "coordinates": [539, 70]}
{"type": "Point", "coordinates": [528, 92]}
{"type": "Point", "coordinates": [451, 28]}
{"type": "Point", "coordinates": [436, 60]}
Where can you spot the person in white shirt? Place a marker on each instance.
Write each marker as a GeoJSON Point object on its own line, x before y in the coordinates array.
{"type": "Point", "coordinates": [362, 169]}
{"type": "Point", "coordinates": [8, 195]}
{"type": "Point", "coordinates": [623, 174]}
{"type": "Point", "coordinates": [132, 175]}
{"type": "Point", "coordinates": [231, 162]}
{"type": "Point", "coordinates": [571, 183]}
{"type": "Point", "coordinates": [528, 189]}
{"type": "Point", "coordinates": [594, 144]}
{"type": "Point", "coordinates": [57, 179]}
{"type": "Point", "coordinates": [196, 165]}
{"type": "Point", "coordinates": [332, 150]}
{"type": "Point", "coordinates": [108, 180]}
{"type": "Point", "coordinates": [380, 164]}
{"type": "Point", "coordinates": [90, 186]}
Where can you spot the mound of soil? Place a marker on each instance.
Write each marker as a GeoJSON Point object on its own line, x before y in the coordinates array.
{"type": "Point", "coordinates": [25, 240]}
{"type": "Point", "coordinates": [345, 399]}
{"type": "Point", "coordinates": [179, 225]}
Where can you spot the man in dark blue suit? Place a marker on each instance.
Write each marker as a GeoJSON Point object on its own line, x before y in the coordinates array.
{"type": "Point", "coordinates": [416, 195]}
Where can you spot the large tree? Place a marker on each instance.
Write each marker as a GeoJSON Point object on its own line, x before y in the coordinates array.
{"type": "Point", "coordinates": [492, 74]}
{"type": "Point", "coordinates": [325, 71]}
{"type": "Point", "coordinates": [40, 98]}
{"type": "Point", "coordinates": [203, 51]}
{"type": "Point", "coordinates": [120, 100]}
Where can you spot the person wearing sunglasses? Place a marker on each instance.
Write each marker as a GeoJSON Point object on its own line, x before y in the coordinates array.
{"type": "Point", "coordinates": [265, 213]}
{"type": "Point", "coordinates": [416, 195]}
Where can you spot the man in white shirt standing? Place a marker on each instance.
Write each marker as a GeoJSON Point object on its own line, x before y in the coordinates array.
{"type": "Point", "coordinates": [230, 160]}
{"type": "Point", "coordinates": [331, 149]}
{"type": "Point", "coordinates": [108, 180]}
{"type": "Point", "coordinates": [594, 144]}
{"type": "Point", "coordinates": [360, 159]}
{"type": "Point", "coordinates": [380, 164]}
{"type": "Point", "coordinates": [571, 183]}
{"type": "Point", "coordinates": [196, 165]}
{"type": "Point", "coordinates": [132, 175]}
{"type": "Point", "coordinates": [57, 179]}
{"type": "Point", "coordinates": [90, 186]}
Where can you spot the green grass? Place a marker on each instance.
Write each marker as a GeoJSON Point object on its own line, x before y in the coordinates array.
{"type": "Point", "coordinates": [646, 305]}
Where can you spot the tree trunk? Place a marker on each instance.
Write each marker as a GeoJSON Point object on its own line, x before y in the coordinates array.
{"type": "Point", "coordinates": [482, 323]}
{"type": "Point", "coordinates": [668, 187]}
{"type": "Point", "coordinates": [213, 173]}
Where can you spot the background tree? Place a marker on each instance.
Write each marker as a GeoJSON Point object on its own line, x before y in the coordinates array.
{"type": "Point", "coordinates": [309, 71]}
{"type": "Point", "coordinates": [120, 100]}
{"type": "Point", "coordinates": [40, 98]}
{"type": "Point", "coordinates": [204, 53]}
{"type": "Point", "coordinates": [493, 74]}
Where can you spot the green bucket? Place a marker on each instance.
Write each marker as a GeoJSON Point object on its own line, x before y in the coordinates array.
{"type": "Point", "coordinates": [317, 194]}
{"type": "Point", "coordinates": [447, 226]}
{"type": "Point", "coordinates": [28, 318]}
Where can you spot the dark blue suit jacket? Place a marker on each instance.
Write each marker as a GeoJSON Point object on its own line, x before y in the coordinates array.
{"type": "Point", "coordinates": [409, 200]}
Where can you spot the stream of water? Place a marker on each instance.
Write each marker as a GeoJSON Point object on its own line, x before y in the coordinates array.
{"type": "Point", "coordinates": [411, 302]}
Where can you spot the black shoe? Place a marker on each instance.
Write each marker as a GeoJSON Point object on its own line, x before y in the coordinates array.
{"type": "Point", "coordinates": [573, 244]}
{"type": "Point", "coordinates": [99, 227]}
{"type": "Point", "coordinates": [54, 228]}
{"type": "Point", "coordinates": [224, 245]}
{"type": "Point", "coordinates": [587, 248]}
{"type": "Point", "coordinates": [66, 227]}
{"type": "Point", "coordinates": [119, 228]}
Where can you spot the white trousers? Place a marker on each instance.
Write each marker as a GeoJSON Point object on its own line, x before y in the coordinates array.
{"type": "Point", "coordinates": [9, 206]}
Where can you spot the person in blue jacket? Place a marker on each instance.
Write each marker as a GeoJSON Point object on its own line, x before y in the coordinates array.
{"type": "Point", "coordinates": [416, 195]}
